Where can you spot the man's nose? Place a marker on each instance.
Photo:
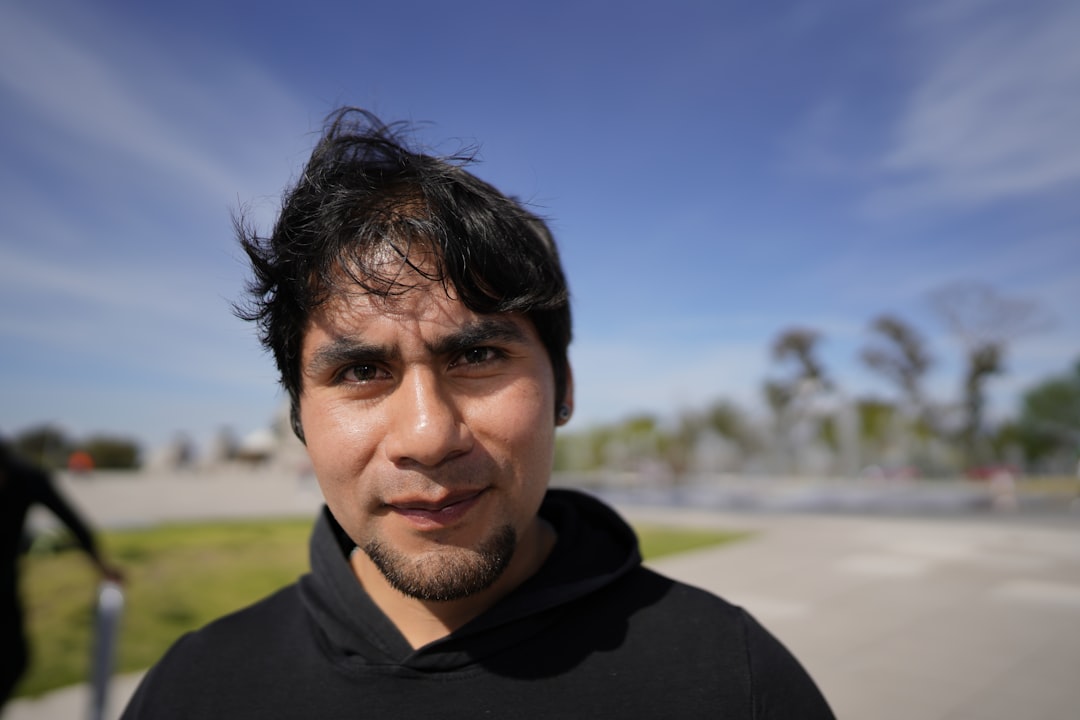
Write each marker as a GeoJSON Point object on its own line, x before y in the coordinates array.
{"type": "Point", "coordinates": [425, 424]}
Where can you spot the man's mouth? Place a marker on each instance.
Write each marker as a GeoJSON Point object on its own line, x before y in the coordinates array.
{"type": "Point", "coordinates": [426, 513]}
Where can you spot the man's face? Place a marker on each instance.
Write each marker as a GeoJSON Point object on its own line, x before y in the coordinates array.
{"type": "Point", "coordinates": [431, 432]}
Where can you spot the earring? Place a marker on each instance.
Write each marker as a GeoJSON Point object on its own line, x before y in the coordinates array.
{"type": "Point", "coordinates": [564, 412]}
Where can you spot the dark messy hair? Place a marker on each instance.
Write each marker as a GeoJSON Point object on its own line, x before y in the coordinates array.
{"type": "Point", "coordinates": [365, 197]}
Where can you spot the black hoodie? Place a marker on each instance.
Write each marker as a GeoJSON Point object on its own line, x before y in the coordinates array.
{"type": "Point", "coordinates": [591, 634]}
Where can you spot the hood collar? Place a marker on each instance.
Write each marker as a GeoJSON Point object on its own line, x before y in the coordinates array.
{"type": "Point", "coordinates": [594, 547]}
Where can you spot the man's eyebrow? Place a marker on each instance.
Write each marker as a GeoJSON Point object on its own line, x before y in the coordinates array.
{"type": "Point", "coordinates": [347, 351]}
{"type": "Point", "coordinates": [479, 332]}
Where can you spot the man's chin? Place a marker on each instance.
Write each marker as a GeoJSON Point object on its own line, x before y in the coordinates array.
{"type": "Point", "coordinates": [449, 573]}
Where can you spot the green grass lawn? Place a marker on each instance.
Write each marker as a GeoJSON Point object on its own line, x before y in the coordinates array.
{"type": "Point", "coordinates": [178, 578]}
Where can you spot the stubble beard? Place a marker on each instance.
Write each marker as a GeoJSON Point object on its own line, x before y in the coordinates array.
{"type": "Point", "coordinates": [453, 573]}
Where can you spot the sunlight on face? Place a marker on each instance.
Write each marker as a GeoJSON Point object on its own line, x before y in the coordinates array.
{"type": "Point", "coordinates": [430, 430]}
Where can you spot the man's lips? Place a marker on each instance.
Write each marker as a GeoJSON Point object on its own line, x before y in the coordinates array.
{"type": "Point", "coordinates": [424, 512]}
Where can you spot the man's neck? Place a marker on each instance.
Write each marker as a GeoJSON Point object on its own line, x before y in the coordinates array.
{"type": "Point", "coordinates": [424, 621]}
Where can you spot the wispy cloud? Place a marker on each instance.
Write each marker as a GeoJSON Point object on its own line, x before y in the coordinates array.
{"type": "Point", "coordinates": [122, 158]}
{"type": "Point", "coordinates": [78, 91]}
{"type": "Point", "coordinates": [105, 87]}
{"type": "Point", "coordinates": [994, 111]}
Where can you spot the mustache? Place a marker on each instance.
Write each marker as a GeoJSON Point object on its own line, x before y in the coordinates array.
{"type": "Point", "coordinates": [459, 480]}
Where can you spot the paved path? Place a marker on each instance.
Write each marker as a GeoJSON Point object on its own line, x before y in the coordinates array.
{"type": "Point", "coordinates": [896, 619]}
{"type": "Point", "coordinates": [934, 619]}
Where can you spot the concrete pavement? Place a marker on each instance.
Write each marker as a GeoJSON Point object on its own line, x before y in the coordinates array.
{"type": "Point", "coordinates": [935, 619]}
{"type": "Point", "coordinates": [946, 618]}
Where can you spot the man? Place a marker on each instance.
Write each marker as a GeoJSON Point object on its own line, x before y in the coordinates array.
{"type": "Point", "coordinates": [23, 485]}
{"type": "Point", "coordinates": [420, 322]}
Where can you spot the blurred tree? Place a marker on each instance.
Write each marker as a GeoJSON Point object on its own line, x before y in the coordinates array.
{"type": "Point", "coordinates": [875, 427]}
{"type": "Point", "coordinates": [778, 396]}
{"type": "Point", "coordinates": [899, 354]}
{"type": "Point", "coordinates": [788, 397]}
{"type": "Point", "coordinates": [582, 450]}
{"type": "Point", "coordinates": [829, 433]}
{"type": "Point", "coordinates": [112, 453]}
{"type": "Point", "coordinates": [45, 445]}
{"type": "Point", "coordinates": [1048, 429]}
{"type": "Point", "coordinates": [728, 420]}
{"type": "Point", "coordinates": [792, 398]}
{"type": "Point", "coordinates": [1055, 403]}
{"type": "Point", "coordinates": [632, 442]}
{"type": "Point", "coordinates": [983, 362]}
{"type": "Point", "coordinates": [676, 448]}
{"type": "Point", "coordinates": [985, 322]}
{"type": "Point", "coordinates": [799, 346]}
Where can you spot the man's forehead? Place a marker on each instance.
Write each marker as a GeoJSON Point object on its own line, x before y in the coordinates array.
{"type": "Point", "coordinates": [387, 267]}
{"type": "Point", "coordinates": [429, 309]}
{"type": "Point", "coordinates": [427, 300]}
{"type": "Point", "coordinates": [416, 299]}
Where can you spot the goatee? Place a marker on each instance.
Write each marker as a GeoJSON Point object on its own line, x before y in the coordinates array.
{"type": "Point", "coordinates": [450, 573]}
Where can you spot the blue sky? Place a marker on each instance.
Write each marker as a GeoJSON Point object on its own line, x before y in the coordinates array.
{"type": "Point", "coordinates": [714, 172]}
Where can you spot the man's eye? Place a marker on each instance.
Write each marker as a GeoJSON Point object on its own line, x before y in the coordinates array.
{"type": "Point", "coordinates": [476, 356]}
{"type": "Point", "coordinates": [360, 373]}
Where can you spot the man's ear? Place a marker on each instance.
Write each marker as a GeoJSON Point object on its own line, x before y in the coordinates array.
{"type": "Point", "coordinates": [564, 407]}
{"type": "Point", "coordinates": [294, 419]}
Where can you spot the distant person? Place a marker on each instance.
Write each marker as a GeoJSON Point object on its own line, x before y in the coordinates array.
{"type": "Point", "coordinates": [420, 320]}
{"type": "Point", "coordinates": [21, 486]}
